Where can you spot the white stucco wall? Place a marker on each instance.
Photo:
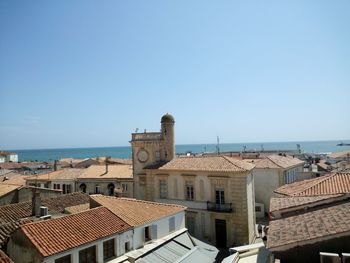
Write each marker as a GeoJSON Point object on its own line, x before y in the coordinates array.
{"type": "Point", "coordinates": [162, 228]}
{"type": "Point", "coordinates": [265, 182]}
{"type": "Point", "coordinates": [119, 244]}
{"type": "Point", "coordinates": [251, 207]}
{"type": "Point", "coordinates": [13, 158]}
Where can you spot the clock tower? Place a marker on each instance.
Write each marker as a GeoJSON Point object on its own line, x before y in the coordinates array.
{"type": "Point", "coordinates": [151, 149]}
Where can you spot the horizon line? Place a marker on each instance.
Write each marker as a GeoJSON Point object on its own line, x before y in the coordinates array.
{"type": "Point", "coordinates": [121, 146]}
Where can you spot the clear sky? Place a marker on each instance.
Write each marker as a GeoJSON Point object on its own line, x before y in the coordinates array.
{"type": "Point", "coordinates": [87, 73]}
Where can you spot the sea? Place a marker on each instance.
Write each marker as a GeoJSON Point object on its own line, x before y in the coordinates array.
{"type": "Point", "coordinates": [125, 151]}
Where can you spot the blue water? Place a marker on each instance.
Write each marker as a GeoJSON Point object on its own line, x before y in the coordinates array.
{"type": "Point", "coordinates": [125, 152]}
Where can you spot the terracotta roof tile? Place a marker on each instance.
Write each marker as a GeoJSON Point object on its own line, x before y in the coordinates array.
{"type": "Point", "coordinates": [7, 188]}
{"type": "Point", "coordinates": [4, 258]}
{"type": "Point", "coordinates": [277, 204]}
{"type": "Point", "coordinates": [208, 163]}
{"type": "Point", "coordinates": [137, 212]}
{"type": "Point", "coordinates": [13, 165]}
{"type": "Point", "coordinates": [276, 162]}
{"type": "Point", "coordinates": [113, 160]}
{"type": "Point", "coordinates": [64, 174]}
{"type": "Point", "coordinates": [14, 215]}
{"type": "Point", "coordinates": [114, 172]}
{"type": "Point", "coordinates": [77, 208]}
{"type": "Point", "coordinates": [11, 176]}
{"type": "Point", "coordinates": [317, 225]}
{"type": "Point", "coordinates": [342, 154]}
{"type": "Point", "coordinates": [7, 229]}
{"type": "Point", "coordinates": [14, 212]}
{"type": "Point", "coordinates": [57, 235]}
{"type": "Point", "coordinates": [336, 183]}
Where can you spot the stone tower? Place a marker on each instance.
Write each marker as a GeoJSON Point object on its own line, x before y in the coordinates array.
{"type": "Point", "coordinates": [151, 149]}
{"type": "Point", "coordinates": [167, 130]}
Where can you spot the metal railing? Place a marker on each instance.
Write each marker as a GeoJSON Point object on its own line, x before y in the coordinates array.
{"type": "Point", "coordinates": [225, 207]}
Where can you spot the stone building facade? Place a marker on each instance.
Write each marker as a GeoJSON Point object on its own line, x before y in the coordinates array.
{"type": "Point", "coordinates": [218, 190]}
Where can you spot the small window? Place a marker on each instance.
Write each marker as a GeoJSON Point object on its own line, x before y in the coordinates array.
{"type": "Point", "coordinates": [220, 196]}
{"type": "Point", "coordinates": [125, 188]}
{"type": "Point", "coordinates": [87, 255]}
{"type": "Point", "coordinates": [108, 249]}
{"type": "Point", "coordinates": [163, 189]}
{"type": "Point", "coordinates": [66, 188]}
{"type": "Point", "coordinates": [171, 224]}
{"type": "Point", "coordinates": [258, 209]}
{"type": "Point", "coordinates": [189, 191]}
{"type": "Point", "coordinates": [97, 189]}
{"type": "Point", "coordinates": [147, 233]}
{"type": "Point", "coordinates": [65, 259]}
{"type": "Point", "coordinates": [82, 188]}
{"type": "Point", "coordinates": [111, 188]}
{"type": "Point", "coordinates": [56, 186]}
{"type": "Point", "coordinates": [127, 246]}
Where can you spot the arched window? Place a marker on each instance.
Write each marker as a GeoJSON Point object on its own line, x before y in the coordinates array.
{"type": "Point", "coordinates": [82, 188]}
{"type": "Point", "coordinates": [111, 189]}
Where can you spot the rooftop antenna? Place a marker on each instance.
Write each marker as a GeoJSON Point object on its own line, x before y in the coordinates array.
{"type": "Point", "coordinates": [217, 145]}
{"type": "Point", "coordinates": [299, 148]}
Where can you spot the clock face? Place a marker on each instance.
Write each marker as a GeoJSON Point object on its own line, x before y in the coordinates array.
{"type": "Point", "coordinates": [142, 155]}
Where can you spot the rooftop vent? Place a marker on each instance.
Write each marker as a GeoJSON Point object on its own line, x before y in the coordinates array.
{"type": "Point", "coordinates": [43, 211]}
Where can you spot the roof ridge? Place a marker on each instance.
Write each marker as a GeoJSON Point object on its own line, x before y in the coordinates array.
{"type": "Point", "coordinates": [230, 161]}
{"type": "Point", "coordinates": [137, 200]}
{"type": "Point", "coordinates": [317, 181]}
{"type": "Point", "coordinates": [268, 157]}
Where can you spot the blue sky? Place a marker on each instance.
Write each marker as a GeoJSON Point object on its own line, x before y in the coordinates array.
{"type": "Point", "coordinates": [87, 73]}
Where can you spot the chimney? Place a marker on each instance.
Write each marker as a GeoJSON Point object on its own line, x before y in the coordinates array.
{"type": "Point", "coordinates": [36, 203]}
{"type": "Point", "coordinates": [55, 165]}
{"type": "Point", "coordinates": [106, 161]}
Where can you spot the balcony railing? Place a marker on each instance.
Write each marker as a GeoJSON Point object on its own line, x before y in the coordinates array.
{"type": "Point", "coordinates": [149, 136]}
{"type": "Point", "coordinates": [226, 207]}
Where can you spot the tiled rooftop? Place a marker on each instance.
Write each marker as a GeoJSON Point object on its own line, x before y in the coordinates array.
{"type": "Point", "coordinates": [14, 212]}
{"type": "Point", "coordinates": [7, 229]}
{"type": "Point", "coordinates": [77, 208]}
{"type": "Point", "coordinates": [137, 212]}
{"type": "Point", "coordinates": [13, 215]}
{"type": "Point", "coordinates": [342, 154]}
{"type": "Point", "coordinates": [13, 165]}
{"type": "Point", "coordinates": [336, 183]}
{"type": "Point", "coordinates": [4, 258]}
{"type": "Point", "coordinates": [114, 172]}
{"type": "Point", "coordinates": [17, 179]}
{"type": "Point", "coordinates": [207, 163]}
{"type": "Point", "coordinates": [8, 175]}
{"type": "Point", "coordinates": [276, 162]}
{"type": "Point", "coordinates": [113, 160]}
{"type": "Point", "coordinates": [64, 174]}
{"type": "Point", "coordinates": [317, 225]}
{"type": "Point", "coordinates": [277, 204]}
{"type": "Point", "coordinates": [57, 235]}
{"type": "Point", "coordinates": [7, 188]}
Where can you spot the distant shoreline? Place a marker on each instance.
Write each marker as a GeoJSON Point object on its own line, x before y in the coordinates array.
{"type": "Point", "coordinates": [125, 151]}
